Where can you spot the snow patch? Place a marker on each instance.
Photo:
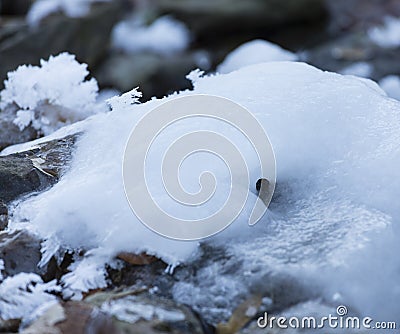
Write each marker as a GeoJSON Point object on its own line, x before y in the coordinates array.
{"type": "Point", "coordinates": [51, 95]}
{"type": "Point", "coordinates": [164, 36]}
{"type": "Point", "coordinates": [388, 35]}
{"type": "Point", "coordinates": [254, 52]}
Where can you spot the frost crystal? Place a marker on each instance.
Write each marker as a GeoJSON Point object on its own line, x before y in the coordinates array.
{"type": "Point", "coordinates": [21, 294]}
{"type": "Point", "coordinates": [50, 95]}
{"type": "Point", "coordinates": [126, 100]}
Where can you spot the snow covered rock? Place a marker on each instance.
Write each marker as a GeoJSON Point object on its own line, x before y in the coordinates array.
{"type": "Point", "coordinates": [336, 140]}
{"type": "Point", "coordinates": [254, 52]}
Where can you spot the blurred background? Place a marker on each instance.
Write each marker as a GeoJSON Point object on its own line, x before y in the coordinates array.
{"type": "Point", "coordinates": [154, 44]}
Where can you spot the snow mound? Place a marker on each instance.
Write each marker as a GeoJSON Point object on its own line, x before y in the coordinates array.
{"type": "Point", "coordinates": [391, 85]}
{"type": "Point", "coordinates": [254, 52]}
{"type": "Point", "coordinates": [51, 95]}
{"type": "Point", "coordinates": [72, 8]}
{"type": "Point", "coordinates": [337, 145]}
{"type": "Point", "coordinates": [388, 35]}
{"type": "Point", "coordinates": [164, 36]}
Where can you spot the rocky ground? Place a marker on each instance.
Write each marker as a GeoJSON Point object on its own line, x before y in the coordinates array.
{"type": "Point", "coordinates": [329, 34]}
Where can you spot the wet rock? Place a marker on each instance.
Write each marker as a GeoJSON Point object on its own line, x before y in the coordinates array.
{"type": "Point", "coordinates": [20, 251]}
{"type": "Point", "coordinates": [34, 170]}
{"type": "Point", "coordinates": [86, 37]}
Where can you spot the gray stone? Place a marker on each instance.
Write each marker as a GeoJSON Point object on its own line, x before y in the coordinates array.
{"type": "Point", "coordinates": [34, 170]}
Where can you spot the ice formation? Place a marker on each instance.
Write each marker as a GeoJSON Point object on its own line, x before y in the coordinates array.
{"type": "Point", "coordinates": [23, 293]}
{"type": "Point", "coordinates": [337, 145]}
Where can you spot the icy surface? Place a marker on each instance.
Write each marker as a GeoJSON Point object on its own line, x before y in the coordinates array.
{"type": "Point", "coordinates": [164, 36]}
{"type": "Point", "coordinates": [73, 8]}
{"type": "Point", "coordinates": [337, 145]}
{"type": "Point", "coordinates": [391, 85]}
{"type": "Point", "coordinates": [388, 35]}
{"type": "Point", "coordinates": [254, 52]}
{"type": "Point", "coordinates": [51, 95]}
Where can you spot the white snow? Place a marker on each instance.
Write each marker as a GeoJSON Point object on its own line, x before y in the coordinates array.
{"type": "Point", "coordinates": [22, 294]}
{"type": "Point", "coordinates": [391, 85]}
{"type": "Point", "coordinates": [254, 52]}
{"type": "Point", "coordinates": [51, 95]}
{"type": "Point", "coordinates": [337, 145]}
{"type": "Point", "coordinates": [40, 9]}
{"type": "Point", "coordinates": [387, 35]}
{"type": "Point", "coordinates": [164, 36]}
